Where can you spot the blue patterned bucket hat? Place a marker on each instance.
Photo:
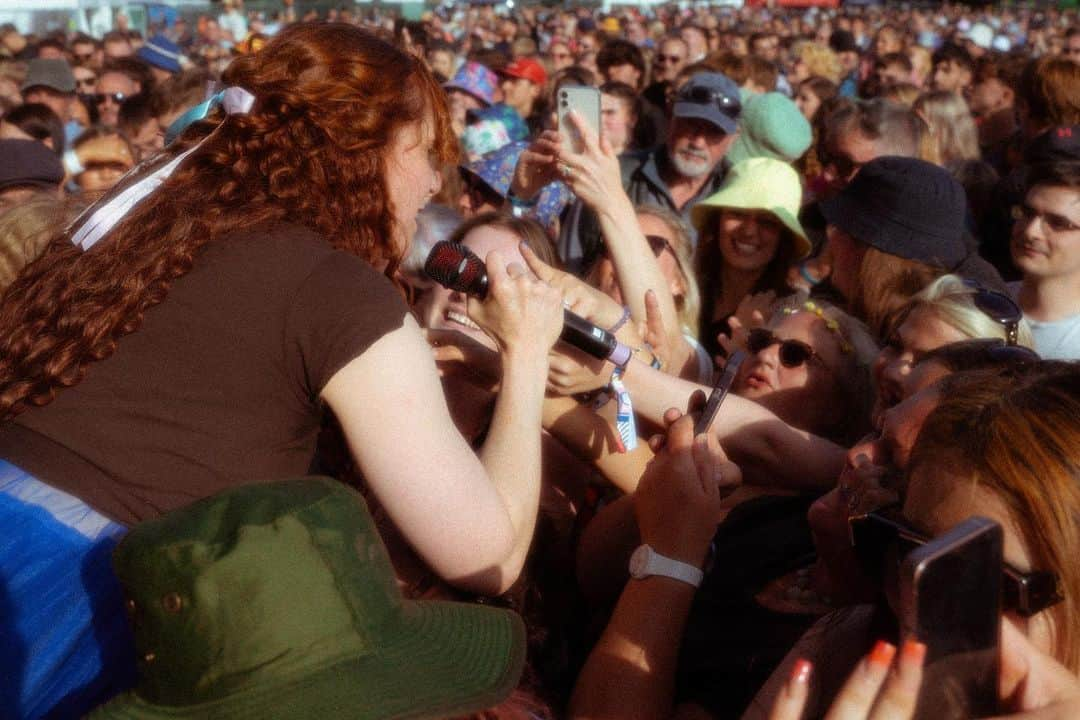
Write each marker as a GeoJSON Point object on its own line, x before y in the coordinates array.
{"type": "Point", "coordinates": [476, 80]}
{"type": "Point", "coordinates": [496, 170]}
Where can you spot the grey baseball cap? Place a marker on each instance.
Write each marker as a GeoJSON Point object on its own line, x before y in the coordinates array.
{"type": "Point", "coordinates": [51, 73]}
{"type": "Point", "coordinates": [710, 96]}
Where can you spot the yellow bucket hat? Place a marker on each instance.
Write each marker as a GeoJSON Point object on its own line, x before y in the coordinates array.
{"type": "Point", "coordinates": [759, 183]}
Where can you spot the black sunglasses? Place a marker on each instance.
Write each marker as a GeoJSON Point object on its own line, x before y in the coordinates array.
{"type": "Point", "coordinates": [793, 353]}
{"type": "Point", "coordinates": [1000, 308]}
{"type": "Point", "coordinates": [116, 97]}
{"type": "Point", "coordinates": [704, 96]}
{"type": "Point", "coordinates": [876, 534]}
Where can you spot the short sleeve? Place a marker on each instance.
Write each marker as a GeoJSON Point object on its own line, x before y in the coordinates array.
{"type": "Point", "coordinates": [342, 308]}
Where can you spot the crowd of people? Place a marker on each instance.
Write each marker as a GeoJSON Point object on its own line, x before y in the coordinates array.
{"type": "Point", "coordinates": [213, 240]}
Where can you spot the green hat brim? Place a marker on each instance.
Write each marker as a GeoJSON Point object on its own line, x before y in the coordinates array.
{"type": "Point", "coordinates": [701, 213]}
{"type": "Point", "coordinates": [446, 659]}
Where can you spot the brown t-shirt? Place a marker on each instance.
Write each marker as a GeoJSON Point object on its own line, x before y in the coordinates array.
{"type": "Point", "coordinates": [220, 384]}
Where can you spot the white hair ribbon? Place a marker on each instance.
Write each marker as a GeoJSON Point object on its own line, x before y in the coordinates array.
{"type": "Point", "coordinates": [96, 222]}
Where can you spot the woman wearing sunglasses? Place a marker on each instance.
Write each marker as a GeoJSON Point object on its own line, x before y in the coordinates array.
{"type": "Point", "coordinates": [1000, 445]}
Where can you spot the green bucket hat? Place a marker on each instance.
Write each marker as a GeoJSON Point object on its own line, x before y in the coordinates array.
{"type": "Point", "coordinates": [279, 600]}
{"type": "Point", "coordinates": [759, 184]}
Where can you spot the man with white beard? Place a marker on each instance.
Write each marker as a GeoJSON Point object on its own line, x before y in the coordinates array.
{"type": "Point", "coordinates": [688, 168]}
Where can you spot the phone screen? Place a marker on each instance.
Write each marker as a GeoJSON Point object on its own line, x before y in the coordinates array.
{"type": "Point", "coordinates": [951, 601]}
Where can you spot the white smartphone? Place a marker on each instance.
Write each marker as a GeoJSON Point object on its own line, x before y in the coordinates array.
{"type": "Point", "coordinates": [586, 102]}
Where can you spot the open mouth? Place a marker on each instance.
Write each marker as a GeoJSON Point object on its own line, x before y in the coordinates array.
{"type": "Point", "coordinates": [461, 319]}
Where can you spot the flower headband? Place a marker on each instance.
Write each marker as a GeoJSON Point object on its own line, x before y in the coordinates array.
{"type": "Point", "coordinates": [97, 220]}
{"type": "Point", "coordinates": [830, 324]}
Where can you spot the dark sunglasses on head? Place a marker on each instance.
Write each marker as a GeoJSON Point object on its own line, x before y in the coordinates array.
{"type": "Point", "coordinates": [999, 307]}
{"type": "Point", "coordinates": [116, 97]}
{"type": "Point", "coordinates": [884, 535]}
{"type": "Point", "coordinates": [704, 96]}
{"type": "Point", "coordinates": [793, 353]}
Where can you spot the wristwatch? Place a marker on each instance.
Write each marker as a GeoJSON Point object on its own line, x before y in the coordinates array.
{"type": "Point", "coordinates": [646, 562]}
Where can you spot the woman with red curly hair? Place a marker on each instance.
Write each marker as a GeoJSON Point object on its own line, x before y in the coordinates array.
{"type": "Point", "coordinates": [182, 340]}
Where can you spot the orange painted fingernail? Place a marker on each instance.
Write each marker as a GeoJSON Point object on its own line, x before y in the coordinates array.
{"type": "Point", "coordinates": [801, 672]}
{"type": "Point", "coordinates": [882, 654]}
{"type": "Point", "coordinates": [913, 652]}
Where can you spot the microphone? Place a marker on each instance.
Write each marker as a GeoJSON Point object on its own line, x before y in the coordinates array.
{"type": "Point", "coordinates": [456, 267]}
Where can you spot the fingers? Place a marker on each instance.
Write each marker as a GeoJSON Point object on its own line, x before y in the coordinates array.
{"type": "Point", "coordinates": [589, 138]}
{"type": "Point", "coordinates": [541, 269]}
{"type": "Point", "coordinates": [873, 692]}
{"type": "Point", "coordinates": [697, 401]}
{"type": "Point", "coordinates": [792, 700]}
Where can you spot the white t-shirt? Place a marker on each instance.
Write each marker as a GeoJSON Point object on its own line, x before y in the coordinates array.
{"type": "Point", "coordinates": [1057, 340]}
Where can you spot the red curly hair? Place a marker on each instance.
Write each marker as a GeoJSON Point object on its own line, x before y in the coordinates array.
{"type": "Point", "coordinates": [329, 100]}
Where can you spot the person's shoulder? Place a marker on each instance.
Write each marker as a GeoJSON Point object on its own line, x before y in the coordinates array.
{"type": "Point", "coordinates": [632, 161]}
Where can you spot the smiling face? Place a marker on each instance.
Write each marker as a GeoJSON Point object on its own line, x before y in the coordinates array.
{"type": "Point", "coordinates": [1047, 246]}
{"type": "Point", "coordinates": [441, 308]}
{"type": "Point", "coordinates": [748, 239]}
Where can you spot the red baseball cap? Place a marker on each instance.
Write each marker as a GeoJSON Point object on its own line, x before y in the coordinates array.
{"type": "Point", "coordinates": [526, 69]}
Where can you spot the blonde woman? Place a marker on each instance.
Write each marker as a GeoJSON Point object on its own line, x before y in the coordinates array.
{"type": "Point", "coordinates": [814, 59]}
{"type": "Point", "coordinates": [951, 136]}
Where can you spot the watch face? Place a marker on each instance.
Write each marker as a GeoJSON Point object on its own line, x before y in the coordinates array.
{"type": "Point", "coordinates": [639, 561]}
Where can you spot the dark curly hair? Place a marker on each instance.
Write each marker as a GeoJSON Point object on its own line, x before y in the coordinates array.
{"type": "Point", "coordinates": [330, 99]}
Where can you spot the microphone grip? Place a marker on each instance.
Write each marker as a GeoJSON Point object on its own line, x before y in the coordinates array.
{"type": "Point", "coordinates": [585, 336]}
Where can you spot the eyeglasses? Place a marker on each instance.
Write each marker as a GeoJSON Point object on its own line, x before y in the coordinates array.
{"type": "Point", "coordinates": [845, 167]}
{"type": "Point", "coordinates": [662, 58]}
{"type": "Point", "coordinates": [793, 353]}
{"type": "Point", "coordinates": [116, 97]}
{"type": "Point", "coordinates": [1025, 213]}
{"type": "Point", "coordinates": [880, 533]}
{"type": "Point", "coordinates": [999, 307]}
{"type": "Point", "coordinates": [704, 96]}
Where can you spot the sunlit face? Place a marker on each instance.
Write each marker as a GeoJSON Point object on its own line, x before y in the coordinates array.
{"type": "Point", "coordinates": [561, 57]}
{"type": "Point", "coordinates": [748, 239]}
{"type": "Point", "coordinates": [447, 309]}
{"type": "Point", "coordinates": [807, 102]}
{"type": "Point", "coordinates": [441, 62]}
{"type": "Point", "coordinates": [112, 88]}
{"type": "Point", "coordinates": [887, 42]}
{"type": "Point", "coordinates": [148, 140]}
{"type": "Point", "coordinates": [1048, 245]}
{"type": "Point", "coordinates": [938, 499]}
{"type": "Point", "coordinates": [618, 121]}
{"type": "Point", "coordinates": [412, 176]}
{"type": "Point", "coordinates": [670, 59]}
{"type": "Point", "coordinates": [922, 331]}
{"type": "Point", "coordinates": [804, 396]}
{"type": "Point", "coordinates": [799, 71]}
{"type": "Point", "coordinates": [605, 278]}
{"type": "Point", "coordinates": [519, 94]}
{"type": "Point", "coordinates": [695, 146]}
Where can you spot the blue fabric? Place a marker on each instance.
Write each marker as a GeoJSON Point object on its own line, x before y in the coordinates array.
{"type": "Point", "coordinates": [66, 645]}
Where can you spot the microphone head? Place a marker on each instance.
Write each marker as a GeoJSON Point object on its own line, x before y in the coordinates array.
{"type": "Point", "coordinates": [456, 267]}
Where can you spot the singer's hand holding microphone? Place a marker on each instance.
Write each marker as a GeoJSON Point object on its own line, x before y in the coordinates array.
{"type": "Point", "coordinates": [520, 313]}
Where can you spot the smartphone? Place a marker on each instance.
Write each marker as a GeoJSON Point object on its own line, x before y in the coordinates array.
{"type": "Point", "coordinates": [950, 599]}
{"type": "Point", "coordinates": [586, 102]}
{"type": "Point", "coordinates": [719, 392]}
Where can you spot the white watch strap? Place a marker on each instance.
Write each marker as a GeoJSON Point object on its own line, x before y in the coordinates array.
{"type": "Point", "coordinates": [646, 562]}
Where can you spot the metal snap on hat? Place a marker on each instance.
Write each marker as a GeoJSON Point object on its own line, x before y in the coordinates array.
{"type": "Point", "coordinates": [279, 600]}
{"type": "Point", "coordinates": [710, 96]}
{"type": "Point", "coordinates": [759, 184]}
{"type": "Point", "coordinates": [904, 207]}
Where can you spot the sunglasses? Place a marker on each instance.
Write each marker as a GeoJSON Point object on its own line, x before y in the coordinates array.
{"type": "Point", "coordinates": [86, 82]}
{"type": "Point", "coordinates": [699, 95]}
{"type": "Point", "coordinates": [882, 533]}
{"type": "Point", "coordinates": [998, 307]}
{"type": "Point", "coordinates": [1025, 213]}
{"type": "Point", "coordinates": [660, 57]}
{"type": "Point", "coordinates": [793, 353]}
{"type": "Point", "coordinates": [116, 97]}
